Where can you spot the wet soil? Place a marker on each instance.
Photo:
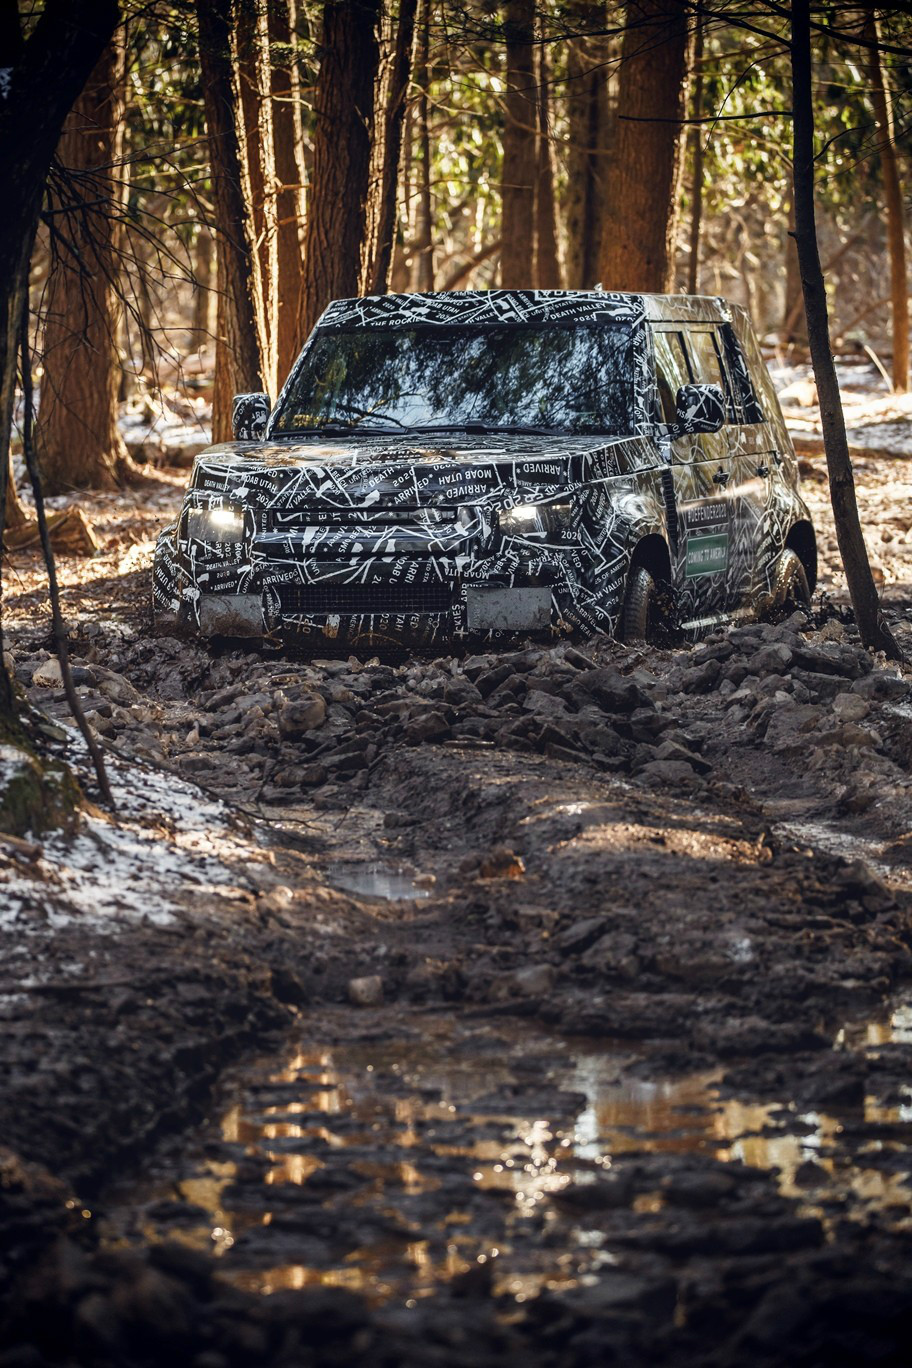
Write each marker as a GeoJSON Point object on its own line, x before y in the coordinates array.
{"type": "Point", "coordinates": [545, 1005]}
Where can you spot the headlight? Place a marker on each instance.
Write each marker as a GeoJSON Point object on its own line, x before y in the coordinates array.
{"type": "Point", "coordinates": [225, 524]}
{"type": "Point", "coordinates": [528, 518]}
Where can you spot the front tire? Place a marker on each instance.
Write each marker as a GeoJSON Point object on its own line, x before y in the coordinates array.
{"type": "Point", "coordinates": [792, 589]}
{"type": "Point", "coordinates": [642, 618]}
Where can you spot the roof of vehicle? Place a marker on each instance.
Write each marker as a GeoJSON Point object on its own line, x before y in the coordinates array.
{"type": "Point", "coordinates": [522, 306]}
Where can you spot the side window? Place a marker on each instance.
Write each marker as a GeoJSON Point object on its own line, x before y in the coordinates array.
{"type": "Point", "coordinates": [706, 364]}
{"type": "Point", "coordinates": [711, 368]}
{"type": "Point", "coordinates": [672, 371]}
{"type": "Point", "coordinates": [747, 405]}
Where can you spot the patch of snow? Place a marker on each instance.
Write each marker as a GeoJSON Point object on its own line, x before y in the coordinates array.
{"type": "Point", "coordinates": [167, 849]}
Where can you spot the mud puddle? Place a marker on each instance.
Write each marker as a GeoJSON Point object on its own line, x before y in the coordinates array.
{"type": "Point", "coordinates": [391, 1162]}
{"type": "Point", "coordinates": [388, 883]}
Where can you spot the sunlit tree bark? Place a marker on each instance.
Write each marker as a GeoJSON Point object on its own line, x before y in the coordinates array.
{"type": "Point", "coordinates": [794, 323]}
{"type": "Point", "coordinates": [547, 253]}
{"type": "Point", "coordinates": [893, 200]}
{"type": "Point", "coordinates": [641, 196]}
{"type": "Point", "coordinates": [696, 161]}
{"type": "Point", "coordinates": [238, 362]}
{"type": "Point", "coordinates": [77, 438]}
{"type": "Point", "coordinates": [587, 128]}
{"type": "Point", "coordinates": [519, 171]}
{"type": "Point", "coordinates": [289, 177]}
{"type": "Point", "coordinates": [45, 74]}
{"type": "Point", "coordinates": [423, 268]}
{"type": "Point", "coordinates": [202, 292]}
{"type": "Point", "coordinates": [343, 107]}
{"type": "Point", "coordinates": [873, 630]}
{"type": "Point", "coordinates": [382, 210]}
{"type": "Point", "coordinates": [258, 169]}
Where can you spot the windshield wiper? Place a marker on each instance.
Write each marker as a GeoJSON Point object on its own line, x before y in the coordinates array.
{"type": "Point", "coordinates": [339, 429]}
{"type": "Point", "coordinates": [487, 429]}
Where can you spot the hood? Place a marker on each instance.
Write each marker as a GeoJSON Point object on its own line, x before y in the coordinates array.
{"type": "Point", "coordinates": [436, 469]}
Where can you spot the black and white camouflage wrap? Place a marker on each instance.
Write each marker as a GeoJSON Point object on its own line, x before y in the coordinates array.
{"type": "Point", "coordinates": [370, 541]}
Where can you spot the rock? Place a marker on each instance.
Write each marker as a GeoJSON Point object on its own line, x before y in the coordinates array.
{"type": "Point", "coordinates": [535, 980]}
{"type": "Point", "coordinates": [427, 726]}
{"type": "Point", "coordinates": [612, 691]}
{"type": "Point", "coordinates": [488, 681]}
{"type": "Point", "coordinates": [773, 658]}
{"type": "Point", "coordinates": [577, 937]}
{"type": "Point", "coordinates": [850, 734]}
{"type": "Point", "coordinates": [819, 687]}
{"type": "Point", "coordinates": [671, 750]}
{"type": "Point", "coordinates": [501, 863]}
{"type": "Point", "coordinates": [850, 707]}
{"type": "Point", "coordinates": [357, 755]}
{"type": "Point", "coordinates": [848, 661]}
{"type": "Point", "coordinates": [120, 690]}
{"type": "Point", "coordinates": [276, 901]}
{"type": "Point", "coordinates": [713, 650]}
{"type": "Point", "coordinates": [577, 659]}
{"type": "Point", "coordinates": [881, 686]}
{"type": "Point", "coordinates": [666, 772]}
{"type": "Point", "coordinates": [311, 775]}
{"type": "Point", "coordinates": [366, 992]}
{"type": "Point", "coordinates": [545, 704]}
{"type": "Point", "coordinates": [702, 678]}
{"type": "Point", "coordinates": [787, 724]}
{"type": "Point", "coordinates": [47, 675]}
{"type": "Point", "coordinates": [304, 715]}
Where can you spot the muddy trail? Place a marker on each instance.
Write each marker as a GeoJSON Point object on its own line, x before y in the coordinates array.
{"type": "Point", "coordinates": [547, 1005]}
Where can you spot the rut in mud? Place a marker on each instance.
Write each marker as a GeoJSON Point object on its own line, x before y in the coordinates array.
{"type": "Point", "coordinates": [589, 956]}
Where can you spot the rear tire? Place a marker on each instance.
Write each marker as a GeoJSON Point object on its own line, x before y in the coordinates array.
{"type": "Point", "coordinates": [792, 589]}
{"type": "Point", "coordinates": [642, 618]}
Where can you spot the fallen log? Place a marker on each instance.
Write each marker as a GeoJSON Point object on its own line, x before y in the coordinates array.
{"type": "Point", "coordinates": [71, 533]}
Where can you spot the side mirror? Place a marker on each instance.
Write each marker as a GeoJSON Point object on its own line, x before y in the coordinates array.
{"type": "Point", "coordinates": [699, 408]}
{"type": "Point", "coordinates": [249, 416]}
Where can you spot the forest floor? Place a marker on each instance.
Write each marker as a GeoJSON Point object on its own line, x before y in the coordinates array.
{"type": "Point", "coordinates": [549, 1006]}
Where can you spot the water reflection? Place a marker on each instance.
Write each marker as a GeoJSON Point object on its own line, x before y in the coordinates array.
{"type": "Point", "coordinates": [371, 880]}
{"type": "Point", "coordinates": [389, 1165]}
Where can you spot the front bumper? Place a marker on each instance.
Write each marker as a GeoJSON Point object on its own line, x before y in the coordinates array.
{"type": "Point", "coordinates": [377, 602]}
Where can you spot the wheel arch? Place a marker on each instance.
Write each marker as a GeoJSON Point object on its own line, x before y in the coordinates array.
{"type": "Point", "coordinates": [803, 541]}
{"type": "Point", "coordinates": [651, 551]}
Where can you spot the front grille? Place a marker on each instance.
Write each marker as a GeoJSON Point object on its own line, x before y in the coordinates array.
{"type": "Point", "coordinates": [364, 599]}
{"type": "Point", "coordinates": [369, 518]}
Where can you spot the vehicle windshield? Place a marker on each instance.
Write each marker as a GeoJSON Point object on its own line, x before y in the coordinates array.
{"type": "Point", "coordinates": [574, 379]}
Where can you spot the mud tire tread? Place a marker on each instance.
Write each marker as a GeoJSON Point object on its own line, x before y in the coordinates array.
{"type": "Point", "coordinates": [640, 602]}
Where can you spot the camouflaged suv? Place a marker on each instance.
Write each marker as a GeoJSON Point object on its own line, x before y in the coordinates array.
{"type": "Point", "coordinates": [443, 467]}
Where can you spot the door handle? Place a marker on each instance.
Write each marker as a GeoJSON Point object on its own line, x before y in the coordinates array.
{"type": "Point", "coordinates": [763, 470]}
{"type": "Point", "coordinates": [721, 476]}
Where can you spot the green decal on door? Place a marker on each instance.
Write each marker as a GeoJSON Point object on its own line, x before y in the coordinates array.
{"type": "Point", "coordinates": [706, 555]}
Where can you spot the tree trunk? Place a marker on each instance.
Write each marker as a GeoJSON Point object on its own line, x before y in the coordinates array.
{"type": "Point", "coordinates": [77, 439]}
{"type": "Point", "coordinates": [44, 77]}
{"type": "Point", "coordinates": [290, 177]}
{"type": "Point", "coordinates": [587, 121]}
{"type": "Point", "coordinates": [874, 632]}
{"type": "Point", "coordinates": [896, 228]}
{"type": "Point", "coordinates": [641, 200]}
{"type": "Point", "coordinates": [697, 136]}
{"type": "Point", "coordinates": [547, 256]}
{"type": "Point", "coordinates": [343, 108]}
{"type": "Point", "coordinates": [424, 217]}
{"type": "Point", "coordinates": [202, 288]}
{"type": "Point", "coordinates": [519, 172]}
{"type": "Point", "coordinates": [258, 169]}
{"type": "Point", "coordinates": [382, 216]}
{"type": "Point", "coordinates": [238, 364]}
{"type": "Point", "coordinates": [794, 323]}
